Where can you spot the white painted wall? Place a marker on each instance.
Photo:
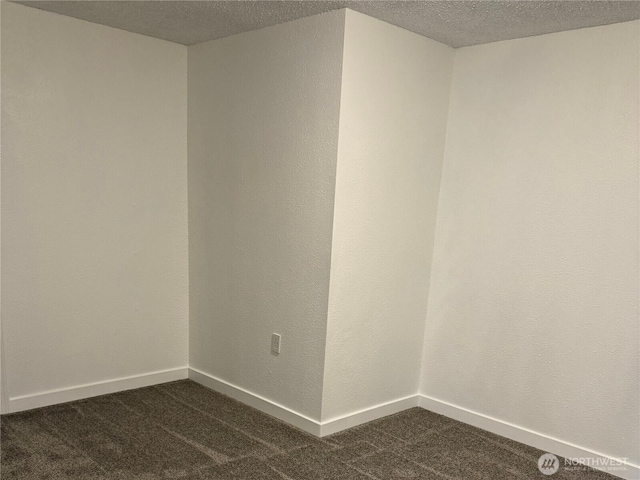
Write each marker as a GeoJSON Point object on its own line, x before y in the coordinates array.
{"type": "Point", "coordinates": [395, 95]}
{"type": "Point", "coordinates": [94, 202]}
{"type": "Point", "coordinates": [533, 305]}
{"type": "Point", "coordinates": [3, 390]}
{"type": "Point", "coordinates": [263, 133]}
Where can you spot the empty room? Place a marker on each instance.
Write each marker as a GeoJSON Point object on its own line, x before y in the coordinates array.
{"type": "Point", "coordinates": [319, 240]}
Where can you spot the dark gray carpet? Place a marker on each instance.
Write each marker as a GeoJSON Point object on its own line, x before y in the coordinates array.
{"type": "Point", "coordinates": [183, 430]}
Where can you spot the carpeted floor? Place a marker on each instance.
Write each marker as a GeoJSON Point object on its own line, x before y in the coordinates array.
{"type": "Point", "coordinates": [183, 430]}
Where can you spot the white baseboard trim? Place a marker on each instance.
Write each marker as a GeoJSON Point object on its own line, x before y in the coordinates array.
{"type": "Point", "coordinates": [367, 415]}
{"type": "Point", "coordinates": [63, 395]}
{"type": "Point", "coordinates": [319, 429]}
{"type": "Point", "coordinates": [256, 401]}
{"type": "Point", "coordinates": [538, 440]}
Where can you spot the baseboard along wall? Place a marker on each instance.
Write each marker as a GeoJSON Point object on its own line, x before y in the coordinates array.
{"type": "Point", "coordinates": [63, 395]}
{"type": "Point", "coordinates": [625, 470]}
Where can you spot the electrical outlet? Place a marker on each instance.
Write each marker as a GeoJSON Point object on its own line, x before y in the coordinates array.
{"type": "Point", "coordinates": [275, 343]}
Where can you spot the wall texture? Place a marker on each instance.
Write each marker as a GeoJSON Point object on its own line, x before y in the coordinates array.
{"type": "Point", "coordinates": [306, 160]}
{"type": "Point", "coordinates": [533, 305]}
{"type": "Point", "coordinates": [3, 377]}
{"type": "Point", "coordinates": [395, 95]}
{"type": "Point", "coordinates": [94, 202]}
{"type": "Point", "coordinates": [263, 133]}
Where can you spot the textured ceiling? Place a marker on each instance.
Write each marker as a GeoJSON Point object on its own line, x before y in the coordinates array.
{"type": "Point", "coordinates": [455, 23]}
